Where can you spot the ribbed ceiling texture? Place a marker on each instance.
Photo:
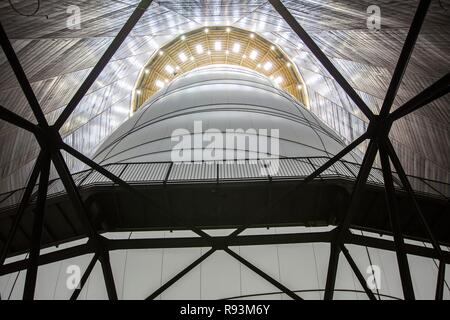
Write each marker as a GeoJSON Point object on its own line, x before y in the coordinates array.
{"type": "Point", "coordinates": [218, 45]}
{"type": "Point", "coordinates": [57, 59]}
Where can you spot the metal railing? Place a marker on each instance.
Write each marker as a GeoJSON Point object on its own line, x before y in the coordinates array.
{"type": "Point", "coordinates": [141, 173]}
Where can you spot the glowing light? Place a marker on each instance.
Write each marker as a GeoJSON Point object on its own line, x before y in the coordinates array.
{"type": "Point", "coordinates": [159, 84]}
{"type": "Point", "coordinates": [146, 71]}
{"type": "Point", "coordinates": [244, 56]}
{"type": "Point", "coordinates": [217, 45]}
{"type": "Point", "coordinates": [252, 35]}
{"type": "Point", "coordinates": [166, 81]}
{"type": "Point", "coordinates": [206, 30]}
{"type": "Point", "coordinates": [272, 47]}
{"type": "Point", "coordinates": [161, 53]}
{"type": "Point", "coordinates": [209, 52]}
{"type": "Point", "coordinates": [253, 54]}
{"type": "Point", "coordinates": [199, 48]}
{"type": "Point", "coordinates": [299, 86]}
{"type": "Point", "coordinates": [177, 68]}
{"type": "Point", "coordinates": [182, 57]}
{"type": "Point", "coordinates": [268, 66]}
{"type": "Point", "coordinates": [278, 80]}
{"type": "Point", "coordinates": [227, 52]}
{"type": "Point", "coordinates": [288, 64]}
{"type": "Point", "coordinates": [183, 37]}
{"type": "Point", "coordinates": [258, 65]}
{"type": "Point", "coordinates": [169, 69]}
{"type": "Point", "coordinates": [236, 47]}
{"type": "Point", "coordinates": [138, 91]}
{"type": "Point", "coordinates": [192, 58]}
{"type": "Point", "coordinates": [228, 30]}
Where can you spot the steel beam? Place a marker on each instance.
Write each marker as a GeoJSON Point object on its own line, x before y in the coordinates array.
{"type": "Point", "coordinates": [230, 240]}
{"type": "Point", "coordinates": [108, 275]}
{"type": "Point", "coordinates": [440, 281]}
{"type": "Point", "coordinates": [47, 258]}
{"type": "Point", "coordinates": [322, 168]}
{"type": "Point", "coordinates": [263, 274]}
{"type": "Point", "coordinates": [342, 230]}
{"type": "Point", "coordinates": [360, 183]}
{"type": "Point", "coordinates": [179, 275]}
{"type": "Point", "coordinates": [23, 205]}
{"type": "Point", "coordinates": [388, 245]}
{"type": "Point", "coordinates": [22, 78]}
{"type": "Point", "coordinates": [433, 92]}
{"type": "Point", "coordinates": [405, 55]}
{"type": "Point", "coordinates": [333, 262]}
{"type": "Point", "coordinates": [38, 221]}
{"type": "Point", "coordinates": [337, 157]}
{"type": "Point", "coordinates": [18, 121]}
{"type": "Point", "coordinates": [358, 274]}
{"type": "Point", "coordinates": [198, 242]}
{"type": "Point", "coordinates": [391, 206]}
{"type": "Point", "coordinates": [73, 194]}
{"type": "Point", "coordinates": [85, 276]}
{"type": "Point", "coordinates": [309, 42]}
{"type": "Point", "coordinates": [83, 214]}
{"type": "Point", "coordinates": [405, 182]}
{"type": "Point", "coordinates": [101, 64]}
{"type": "Point", "coordinates": [217, 243]}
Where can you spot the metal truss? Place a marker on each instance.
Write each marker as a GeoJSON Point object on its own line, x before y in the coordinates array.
{"type": "Point", "coordinates": [378, 136]}
{"type": "Point", "coordinates": [51, 144]}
